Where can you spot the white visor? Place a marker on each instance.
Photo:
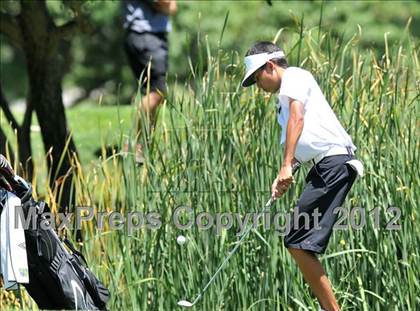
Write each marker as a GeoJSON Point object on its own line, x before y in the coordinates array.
{"type": "Point", "coordinates": [254, 62]}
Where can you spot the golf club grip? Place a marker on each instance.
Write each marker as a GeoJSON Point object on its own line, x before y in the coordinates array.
{"type": "Point", "coordinates": [295, 167]}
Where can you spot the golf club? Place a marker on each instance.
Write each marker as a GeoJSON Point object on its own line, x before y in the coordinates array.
{"type": "Point", "coordinates": [188, 304]}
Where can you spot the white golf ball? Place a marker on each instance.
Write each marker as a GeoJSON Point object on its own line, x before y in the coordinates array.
{"type": "Point", "coordinates": [181, 239]}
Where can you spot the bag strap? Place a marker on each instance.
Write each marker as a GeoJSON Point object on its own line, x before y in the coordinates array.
{"type": "Point", "coordinates": [74, 250]}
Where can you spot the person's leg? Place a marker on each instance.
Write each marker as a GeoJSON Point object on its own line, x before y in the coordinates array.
{"type": "Point", "coordinates": [149, 62]}
{"type": "Point", "coordinates": [146, 119]}
{"type": "Point", "coordinates": [147, 109]}
{"type": "Point", "coordinates": [315, 276]}
{"type": "Point", "coordinates": [327, 186]}
{"type": "Point", "coordinates": [154, 84]}
{"type": "Point", "coordinates": [145, 122]}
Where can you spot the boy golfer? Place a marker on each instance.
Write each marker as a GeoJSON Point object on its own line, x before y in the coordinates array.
{"type": "Point", "coordinates": [310, 133]}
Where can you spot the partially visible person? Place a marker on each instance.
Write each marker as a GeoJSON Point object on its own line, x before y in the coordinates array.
{"type": "Point", "coordinates": [147, 24]}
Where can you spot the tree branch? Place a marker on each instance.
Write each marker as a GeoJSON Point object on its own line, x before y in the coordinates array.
{"type": "Point", "coordinates": [5, 146]}
{"type": "Point", "coordinates": [27, 118]}
{"type": "Point", "coordinates": [9, 26]}
{"type": "Point", "coordinates": [67, 30]}
{"type": "Point", "coordinates": [79, 23]}
{"type": "Point", "coordinates": [9, 116]}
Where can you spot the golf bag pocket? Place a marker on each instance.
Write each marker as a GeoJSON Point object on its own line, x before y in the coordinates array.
{"type": "Point", "coordinates": [58, 276]}
{"type": "Point", "coordinates": [13, 258]}
{"type": "Point", "coordinates": [98, 292]}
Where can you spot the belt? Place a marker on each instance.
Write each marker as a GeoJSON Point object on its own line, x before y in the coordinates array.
{"type": "Point", "coordinates": [336, 150]}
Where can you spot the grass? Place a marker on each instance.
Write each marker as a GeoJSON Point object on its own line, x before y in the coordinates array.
{"type": "Point", "coordinates": [216, 150]}
{"type": "Point", "coordinates": [92, 126]}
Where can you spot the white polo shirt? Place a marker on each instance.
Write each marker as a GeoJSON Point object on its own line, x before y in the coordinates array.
{"type": "Point", "coordinates": [321, 130]}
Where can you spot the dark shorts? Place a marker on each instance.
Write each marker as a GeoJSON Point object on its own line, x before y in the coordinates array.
{"type": "Point", "coordinates": [145, 48]}
{"type": "Point", "coordinates": [327, 185]}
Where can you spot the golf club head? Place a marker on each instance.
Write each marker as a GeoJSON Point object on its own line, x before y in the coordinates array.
{"type": "Point", "coordinates": [184, 303]}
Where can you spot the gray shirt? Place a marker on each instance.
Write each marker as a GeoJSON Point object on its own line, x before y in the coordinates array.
{"type": "Point", "coordinates": [140, 16]}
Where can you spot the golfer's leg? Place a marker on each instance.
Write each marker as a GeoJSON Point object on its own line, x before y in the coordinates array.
{"type": "Point", "coordinates": [315, 276]}
{"type": "Point", "coordinates": [155, 86]}
{"type": "Point", "coordinates": [147, 112]}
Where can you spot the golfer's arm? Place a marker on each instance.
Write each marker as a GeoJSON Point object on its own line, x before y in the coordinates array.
{"type": "Point", "coordinates": [294, 130]}
{"type": "Point", "coordinates": [167, 7]}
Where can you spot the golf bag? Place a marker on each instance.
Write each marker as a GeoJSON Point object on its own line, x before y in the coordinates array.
{"type": "Point", "coordinates": [58, 274]}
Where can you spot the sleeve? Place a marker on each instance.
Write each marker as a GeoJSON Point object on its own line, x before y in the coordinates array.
{"type": "Point", "coordinates": [295, 85]}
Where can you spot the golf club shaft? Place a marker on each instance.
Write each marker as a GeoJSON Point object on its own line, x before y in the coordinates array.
{"type": "Point", "coordinates": [295, 167]}
{"type": "Point", "coordinates": [267, 205]}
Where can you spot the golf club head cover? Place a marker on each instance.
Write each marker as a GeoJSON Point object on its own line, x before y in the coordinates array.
{"type": "Point", "coordinates": [5, 168]}
{"type": "Point", "coordinates": [4, 184]}
{"type": "Point", "coordinates": [10, 180]}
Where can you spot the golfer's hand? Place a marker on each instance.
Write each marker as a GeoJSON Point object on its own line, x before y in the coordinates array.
{"type": "Point", "coordinates": [282, 182]}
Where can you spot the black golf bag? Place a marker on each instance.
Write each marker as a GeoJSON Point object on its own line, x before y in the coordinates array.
{"type": "Point", "coordinates": [58, 274]}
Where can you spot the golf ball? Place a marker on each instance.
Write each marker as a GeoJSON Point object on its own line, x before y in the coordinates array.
{"type": "Point", "coordinates": [181, 239]}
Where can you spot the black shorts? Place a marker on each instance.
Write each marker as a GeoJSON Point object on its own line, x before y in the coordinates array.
{"type": "Point", "coordinates": [327, 185]}
{"type": "Point", "coordinates": [145, 48]}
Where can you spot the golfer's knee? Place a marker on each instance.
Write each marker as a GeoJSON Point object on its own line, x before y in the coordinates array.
{"type": "Point", "coordinates": [296, 252]}
{"type": "Point", "coordinates": [293, 251]}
